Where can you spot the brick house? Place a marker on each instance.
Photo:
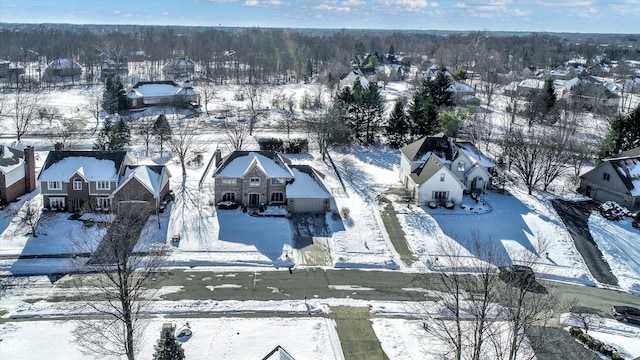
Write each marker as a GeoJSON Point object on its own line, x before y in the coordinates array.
{"type": "Point", "coordinates": [160, 93]}
{"type": "Point", "coordinates": [99, 180]}
{"type": "Point", "coordinates": [17, 173]}
{"type": "Point", "coordinates": [257, 178]}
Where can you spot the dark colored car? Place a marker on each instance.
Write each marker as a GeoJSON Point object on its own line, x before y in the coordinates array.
{"type": "Point", "coordinates": [626, 314]}
{"type": "Point", "coordinates": [517, 274]}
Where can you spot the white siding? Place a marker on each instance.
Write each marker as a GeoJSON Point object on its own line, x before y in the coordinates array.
{"type": "Point", "coordinates": [455, 189]}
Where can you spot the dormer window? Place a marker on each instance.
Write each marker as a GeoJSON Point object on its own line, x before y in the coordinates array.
{"type": "Point", "coordinates": [77, 184]}
{"type": "Point", "coordinates": [462, 166]}
{"type": "Point", "coordinates": [254, 181]}
{"type": "Point", "coordinates": [277, 181]}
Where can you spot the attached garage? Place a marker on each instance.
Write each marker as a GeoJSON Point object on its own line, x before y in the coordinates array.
{"type": "Point", "coordinates": [306, 194]}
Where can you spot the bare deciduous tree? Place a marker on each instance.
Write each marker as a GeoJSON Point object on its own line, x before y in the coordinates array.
{"type": "Point", "coordinates": [24, 109]}
{"type": "Point", "coordinates": [115, 284]}
{"type": "Point", "coordinates": [253, 94]}
{"type": "Point", "coordinates": [93, 104]}
{"type": "Point", "coordinates": [65, 135]}
{"type": "Point", "coordinates": [30, 215]}
{"type": "Point", "coordinates": [181, 142]}
{"type": "Point", "coordinates": [235, 133]}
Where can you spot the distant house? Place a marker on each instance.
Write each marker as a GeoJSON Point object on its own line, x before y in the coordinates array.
{"type": "Point", "coordinates": [99, 180]}
{"type": "Point", "coordinates": [62, 70]}
{"type": "Point", "coordinates": [160, 93]}
{"type": "Point", "coordinates": [347, 80]}
{"type": "Point", "coordinates": [179, 69]}
{"type": "Point", "coordinates": [17, 173]}
{"type": "Point", "coordinates": [113, 68]}
{"type": "Point", "coordinates": [434, 168]}
{"type": "Point", "coordinates": [258, 178]}
{"type": "Point", "coordinates": [616, 179]}
{"type": "Point", "coordinates": [463, 94]}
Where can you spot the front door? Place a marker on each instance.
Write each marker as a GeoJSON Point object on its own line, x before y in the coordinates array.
{"type": "Point", "coordinates": [254, 199]}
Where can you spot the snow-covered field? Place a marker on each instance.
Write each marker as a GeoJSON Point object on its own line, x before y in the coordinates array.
{"type": "Point", "coordinates": [520, 226]}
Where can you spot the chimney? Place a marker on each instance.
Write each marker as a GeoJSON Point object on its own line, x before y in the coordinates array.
{"type": "Point", "coordinates": [58, 146]}
{"type": "Point", "coordinates": [217, 157]}
{"type": "Point", "coordinates": [30, 169]}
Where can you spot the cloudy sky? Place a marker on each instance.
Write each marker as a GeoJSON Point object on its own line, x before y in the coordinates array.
{"type": "Point", "coordinates": [584, 16]}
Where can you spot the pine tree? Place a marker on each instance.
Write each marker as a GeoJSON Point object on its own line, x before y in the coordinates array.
{"type": "Point", "coordinates": [623, 135]}
{"type": "Point", "coordinates": [308, 74]}
{"type": "Point", "coordinates": [423, 115]}
{"type": "Point", "coordinates": [162, 130]}
{"type": "Point", "coordinates": [397, 129]}
{"type": "Point", "coordinates": [167, 348]}
{"type": "Point", "coordinates": [439, 89]}
{"type": "Point", "coordinates": [114, 98]}
{"type": "Point", "coordinates": [114, 135]}
{"type": "Point", "coordinates": [104, 136]}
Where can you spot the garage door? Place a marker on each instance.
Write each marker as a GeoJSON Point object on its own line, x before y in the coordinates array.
{"type": "Point", "coordinates": [308, 205]}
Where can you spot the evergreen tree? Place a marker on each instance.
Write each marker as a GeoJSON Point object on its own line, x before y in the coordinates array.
{"type": "Point", "coordinates": [104, 136]}
{"type": "Point", "coordinates": [423, 115]}
{"type": "Point", "coordinates": [167, 348]}
{"type": "Point", "coordinates": [397, 129]}
{"type": "Point", "coordinates": [114, 98]}
{"type": "Point", "coordinates": [450, 123]}
{"type": "Point", "coordinates": [549, 95]}
{"type": "Point", "coordinates": [623, 135]}
{"type": "Point", "coordinates": [439, 89]}
{"type": "Point", "coordinates": [162, 131]}
{"type": "Point", "coordinates": [308, 73]}
{"type": "Point", "coordinates": [361, 110]}
{"type": "Point", "coordinates": [114, 135]}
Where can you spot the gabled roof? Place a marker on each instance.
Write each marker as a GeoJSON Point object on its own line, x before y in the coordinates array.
{"type": "Point", "coordinates": [629, 153]}
{"type": "Point", "coordinates": [629, 171]}
{"type": "Point", "coordinates": [150, 176]}
{"type": "Point", "coordinates": [474, 154]}
{"type": "Point", "coordinates": [278, 353]}
{"type": "Point", "coordinates": [10, 158]}
{"type": "Point", "coordinates": [94, 165]}
{"type": "Point", "coordinates": [305, 185]}
{"type": "Point", "coordinates": [420, 149]}
{"type": "Point", "coordinates": [430, 168]}
{"type": "Point", "coordinates": [236, 164]}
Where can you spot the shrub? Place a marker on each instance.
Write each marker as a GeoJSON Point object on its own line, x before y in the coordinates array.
{"type": "Point", "coordinates": [271, 144]}
{"type": "Point", "coordinates": [575, 331]}
{"type": "Point", "coordinates": [617, 356]}
{"type": "Point", "coordinates": [636, 220]}
{"type": "Point", "coordinates": [345, 212]}
{"type": "Point", "coordinates": [613, 211]}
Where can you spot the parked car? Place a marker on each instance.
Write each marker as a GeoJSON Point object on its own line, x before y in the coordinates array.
{"type": "Point", "coordinates": [626, 314]}
{"type": "Point", "coordinates": [517, 274]}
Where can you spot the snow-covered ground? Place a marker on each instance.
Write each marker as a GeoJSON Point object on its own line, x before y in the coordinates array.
{"type": "Point", "coordinates": [520, 226]}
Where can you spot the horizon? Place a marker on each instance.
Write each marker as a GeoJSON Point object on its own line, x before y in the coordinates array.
{"type": "Point", "coordinates": [537, 16]}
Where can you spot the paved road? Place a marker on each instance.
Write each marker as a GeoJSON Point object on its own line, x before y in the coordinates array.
{"type": "Point", "coordinates": [575, 216]}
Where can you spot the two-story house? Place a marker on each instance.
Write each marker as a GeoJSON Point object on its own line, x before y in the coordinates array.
{"type": "Point", "coordinates": [255, 178]}
{"type": "Point", "coordinates": [99, 180]}
{"type": "Point", "coordinates": [17, 173]}
{"type": "Point", "coordinates": [615, 179]}
{"type": "Point", "coordinates": [434, 168]}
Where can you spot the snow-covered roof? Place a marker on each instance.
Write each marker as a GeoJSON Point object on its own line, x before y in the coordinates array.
{"type": "Point", "coordinates": [60, 64]}
{"type": "Point", "coordinates": [164, 88]}
{"type": "Point", "coordinates": [238, 165]}
{"type": "Point", "coordinates": [92, 165]}
{"type": "Point", "coordinates": [304, 186]}
{"type": "Point", "coordinates": [10, 159]}
{"type": "Point", "coordinates": [532, 83]}
{"type": "Point", "coordinates": [90, 168]}
{"type": "Point", "coordinates": [475, 154]}
{"type": "Point", "coordinates": [149, 176]}
{"type": "Point", "coordinates": [460, 88]}
{"type": "Point", "coordinates": [629, 171]}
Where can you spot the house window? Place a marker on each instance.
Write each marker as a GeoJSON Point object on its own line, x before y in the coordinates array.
{"type": "Point", "coordinates": [229, 196]}
{"type": "Point", "coordinates": [254, 181]}
{"type": "Point", "coordinates": [103, 185]}
{"type": "Point", "coordinates": [462, 166]}
{"type": "Point", "coordinates": [606, 176]}
{"type": "Point", "coordinates": [277, 197]}
{"type": "Point", "coordinates": [277, 181]}
{"type": "Point", "coordinates": [228, 181]}
{"type": "Point", "coordinates": [77, 184]}
{"type": "Point", "coordinates": [56, 203]}
{"type": "Point", "coordinates": [54, 185]}
{"type": "Point", "coordinates": [134, 102]}
{"type": "Point", "coordinates": [440, 195]}
{"type": "Point", "coordinates": [442, 177]}
{"type": "Point", "coordinates": [103, 203]}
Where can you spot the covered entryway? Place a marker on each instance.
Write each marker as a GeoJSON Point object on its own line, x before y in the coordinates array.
{"type": "Point", "coordinates": [254, 199]}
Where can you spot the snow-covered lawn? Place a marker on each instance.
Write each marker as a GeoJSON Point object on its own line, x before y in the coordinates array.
{"type": "Point", "coordinates": [216, 338]}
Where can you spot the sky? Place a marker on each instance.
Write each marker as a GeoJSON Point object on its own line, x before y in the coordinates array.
{"type": "Point", "coordinates": [580, 16]}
